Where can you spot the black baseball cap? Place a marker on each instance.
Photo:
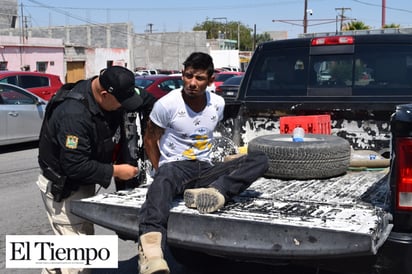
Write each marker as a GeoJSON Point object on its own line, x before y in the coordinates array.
{"type": "Point", "coordinates": [120, 82]}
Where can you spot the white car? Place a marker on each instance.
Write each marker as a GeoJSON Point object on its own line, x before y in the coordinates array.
{"type": "Point", "coordinates": [21, 115]}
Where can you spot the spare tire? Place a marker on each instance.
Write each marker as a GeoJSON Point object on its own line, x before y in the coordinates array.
{"type": "Point", "coordinates": [317, 157]}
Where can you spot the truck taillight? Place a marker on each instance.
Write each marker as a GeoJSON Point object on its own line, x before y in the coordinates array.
{"type": "Point", "coordinates": [332, 40]}
{"type": "Point", "coordinates": [404, 173]}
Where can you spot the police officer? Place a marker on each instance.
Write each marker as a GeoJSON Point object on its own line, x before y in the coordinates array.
{"type": "Point", "coordinates": [76, 145]}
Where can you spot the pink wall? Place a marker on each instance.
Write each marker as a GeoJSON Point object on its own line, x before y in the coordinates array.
{"type": "Point", "coordinates": [31, 52]}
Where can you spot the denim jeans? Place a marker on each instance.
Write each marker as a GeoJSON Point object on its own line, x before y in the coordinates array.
{"type": "Point", "coordinates": [172, 179]}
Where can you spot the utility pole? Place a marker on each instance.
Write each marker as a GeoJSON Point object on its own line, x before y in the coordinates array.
{"type": "Point", "coordinates": [149, 28]}
{"type": "Point", "coordinates": [342, 16]}
{"type": "Point", "coordinates": [22, 24]}
{"type": "Point", "coordinates": [238, 35]}
{"type": "Point", "coordinates": [225, 27]}
{"type": "Point", "coordinates": [22, 36]}
{"type": "Point", "coordinates": [254, 36]}
{"type": "Point", "coordinates": [305, 17]}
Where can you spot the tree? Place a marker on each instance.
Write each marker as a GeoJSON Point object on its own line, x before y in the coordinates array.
{"type": "Point", "coordinates": [355, 25]}
{"type": "Point", "coordinates": [391, 26]}
{"type": "Point", "coordinates": [264, 37]}
{"type": "Point", "coordinates": [218, 30]}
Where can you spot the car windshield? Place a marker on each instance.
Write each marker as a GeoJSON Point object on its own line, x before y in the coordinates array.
{"type": "Point", "coordinates": [143, 82]}
{"type": "Point", "coordinates": [233, 81]}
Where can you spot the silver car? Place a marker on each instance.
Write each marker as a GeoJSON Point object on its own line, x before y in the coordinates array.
{"type": "Point", "coordinates": [21, 115]}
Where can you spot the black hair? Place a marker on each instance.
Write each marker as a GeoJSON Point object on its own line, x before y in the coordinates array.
{"type": "Point", "coordinates": [200, 60]}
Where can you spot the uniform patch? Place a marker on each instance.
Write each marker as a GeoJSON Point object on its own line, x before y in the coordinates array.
{"type": "Point", "coordinates": [72, 141]}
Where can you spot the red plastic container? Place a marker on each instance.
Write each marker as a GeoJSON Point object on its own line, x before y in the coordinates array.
{"type": "Point", "coordinates": [315, 124]}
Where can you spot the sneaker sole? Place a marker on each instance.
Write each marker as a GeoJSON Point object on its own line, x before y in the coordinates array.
{"type": "Point", "coordinates": [190, 198]}
{"type": "Point", "coordinates": [207, 202]}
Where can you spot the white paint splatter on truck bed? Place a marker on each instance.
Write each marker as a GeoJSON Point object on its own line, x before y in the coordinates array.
{"type": "Point", "coordinates": [337, 204]}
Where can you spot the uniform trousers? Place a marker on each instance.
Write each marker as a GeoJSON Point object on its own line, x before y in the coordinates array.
{"type": "Point", "coordinates": [62, 221]}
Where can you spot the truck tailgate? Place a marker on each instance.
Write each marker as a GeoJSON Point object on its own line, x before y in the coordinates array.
{"type": "Point", "coordinates": [271, 219]}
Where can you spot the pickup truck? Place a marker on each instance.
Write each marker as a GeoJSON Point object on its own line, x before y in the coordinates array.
{"type": "Point", "coordinates": [356, 221]}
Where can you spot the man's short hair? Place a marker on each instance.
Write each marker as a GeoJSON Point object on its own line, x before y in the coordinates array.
{"type": "Point", "coordinates": [200, 60]}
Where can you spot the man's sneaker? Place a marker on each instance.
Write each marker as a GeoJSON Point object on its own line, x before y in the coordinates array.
{"type": "Point", "coordinates": [206, 200]}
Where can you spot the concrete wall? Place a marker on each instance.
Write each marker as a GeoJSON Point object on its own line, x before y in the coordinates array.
{"type": "Point", "coordinates": [8, 10]}
{"type": "Point", "coordinates": [98, 58]}
{"type": "Point", "coordinates": [116, 35]}
{"type": "Point", "coordinates": [278, 35]}
{"type": "Point", "coordinates": [150, 50]}
{"type": "Point", "coordinates": [167, 50]}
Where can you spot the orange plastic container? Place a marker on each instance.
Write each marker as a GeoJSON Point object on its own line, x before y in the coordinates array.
{"type": "Point", "coordinates": [315, 124]}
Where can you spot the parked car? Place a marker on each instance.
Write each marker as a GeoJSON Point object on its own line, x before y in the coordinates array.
{"type": "Point", "coordinates": [229, 88]}
{"type": "Point", "coordinates": [159, 85]}
{"type": "Point", "coordinates": [230, 69]}
{"type": "Point", "coordinates": [43, 85]}
{"type": "Point", "coordinates": [169, 71]}
{"type": "Point", "coordinates": [223, 76]}
{"type": "Point", "coordinates": [147, 72]}
{"type": "Point", "coordinates": [21, 115]}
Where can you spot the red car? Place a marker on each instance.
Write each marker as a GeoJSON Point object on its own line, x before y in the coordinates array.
{"type": "Point", "coordinates": [223, 76]}
{"type": "Point", "coordinates": [41, 84]}
{"type": "Point", "coordinates": [159, 85]}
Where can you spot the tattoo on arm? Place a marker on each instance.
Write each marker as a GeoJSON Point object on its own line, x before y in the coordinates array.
{"type": "Point", "coordinates": [154, 131]}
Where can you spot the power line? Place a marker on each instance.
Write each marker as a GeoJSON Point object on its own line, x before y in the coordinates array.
{"type": "Point", "coordinates": [342, 15]}
{"type": "Point", "coordinates": [380, 6]}
{"type": "Point", "coordinates": [174, 7]}
{"type": "Point", "coordinates": [143, 37]}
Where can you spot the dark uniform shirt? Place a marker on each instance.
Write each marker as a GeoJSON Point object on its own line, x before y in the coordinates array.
{"type": "Point", "coordinates": [83, 148]}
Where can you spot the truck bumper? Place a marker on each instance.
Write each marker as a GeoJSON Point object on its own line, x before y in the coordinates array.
{"type": "Point", "coordinates": [395, 255]}
{"type": "Point", "coordinates": [241, 238]}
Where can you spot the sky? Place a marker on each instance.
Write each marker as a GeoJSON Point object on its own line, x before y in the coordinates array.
{"type": "Point", "coordinates": [179, 15]}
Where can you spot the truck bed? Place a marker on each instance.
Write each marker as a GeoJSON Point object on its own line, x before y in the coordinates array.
{"type": "Point", "coordinates": [342, 216]}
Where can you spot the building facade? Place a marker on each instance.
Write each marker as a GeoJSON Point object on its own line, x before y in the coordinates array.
{"type": "Point", "coordinates": [8, 14]}
{"type": "Point", "coordinates": [36, 54]}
